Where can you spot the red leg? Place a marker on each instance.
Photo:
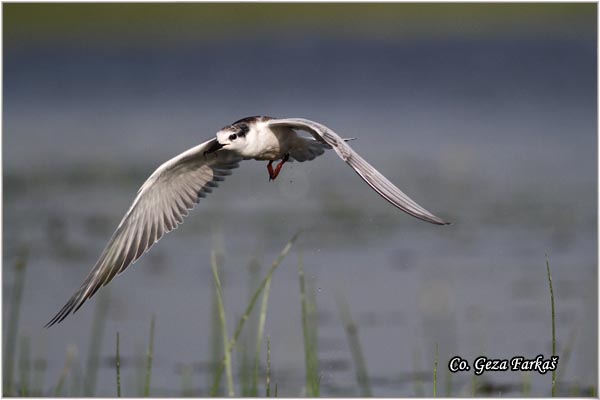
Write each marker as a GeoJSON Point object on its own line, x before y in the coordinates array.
{"type": "Point", "coordinates": [270, 169]}
{"type": "Point", "coordinates": [274, 174]}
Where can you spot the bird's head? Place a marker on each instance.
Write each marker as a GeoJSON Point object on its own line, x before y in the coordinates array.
{"type": "Point", "coordinates": [232, 137]}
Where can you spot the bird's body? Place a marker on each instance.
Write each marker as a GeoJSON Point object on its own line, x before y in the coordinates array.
{"type": "Point", "coordinates": [177, 185]}
{"type": "Point", "coordinates": [271, 143]}
{"type": "Point", "coordinates": [268, 144]}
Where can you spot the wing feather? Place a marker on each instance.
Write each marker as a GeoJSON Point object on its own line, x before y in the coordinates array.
{"type": "Point", "coordinates": [160, 205]}
{"type": "Point", "coordinates": [366, 171]}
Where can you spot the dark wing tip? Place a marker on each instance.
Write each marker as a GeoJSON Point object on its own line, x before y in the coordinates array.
{"type": "Point", "coordinates": [71, 307]}
{"type": "Point", "coordinates": [61, 315]}
{"type": "Point", "coordinates": [432, 219]}
{"type": "Point", "coordinates": [443, 223]}
{"type": "Point", "coordinates": [429, 218]}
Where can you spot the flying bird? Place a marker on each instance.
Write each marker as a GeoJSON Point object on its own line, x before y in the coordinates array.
{"type": "Point", "coordinates": [177, 185]}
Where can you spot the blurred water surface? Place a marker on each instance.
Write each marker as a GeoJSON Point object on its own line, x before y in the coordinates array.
{"type": "Point", "coordinates": [496, 134]}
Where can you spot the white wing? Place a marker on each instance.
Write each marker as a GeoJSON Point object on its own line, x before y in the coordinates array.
{"type": "Point", "coordinates": [365, 170]}
{"type": "Point", "coordinates": [160, 205]}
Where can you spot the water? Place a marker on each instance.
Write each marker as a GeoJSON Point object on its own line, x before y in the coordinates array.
{"type": "Point", "coordinates": [497, 136]}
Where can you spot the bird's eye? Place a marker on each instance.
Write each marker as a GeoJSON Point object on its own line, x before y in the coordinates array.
{"type": "Point", "coordinates": [232, 137]}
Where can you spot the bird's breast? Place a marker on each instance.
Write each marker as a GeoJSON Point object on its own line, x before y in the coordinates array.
{"type": "Point", "coordinates": [270, 144]}
{"type": "Point", "coordinates": [270, 154]}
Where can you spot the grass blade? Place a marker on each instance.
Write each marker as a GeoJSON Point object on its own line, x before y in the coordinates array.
{"type": "Point", "coordinates": [261, 327]}
{"type": "Point", "coordinates": [98, 323]}
{"type": "Point", "coordinates": [245, 368]}
{"type": "Point", "coordinates": [355, 348]}
{"type": "Point", "coordinates": [309, 331]}
{"type": "Point", "coordinates": [227, 355]}
{"type": "Point", "coordinates": [258, 291]}
{"type": "Point", "coordinates": [248, 366]}
{"type": "Point", "coordinates": [249, 309]}
{"type": "Point", "coordinates": [118, 367]}
{"type": "Point", "coordinates": [24, 366]}
{"type": "Point", "coordinates": [553, 325]}
{"type": "Point", "coordinates": [71, 354]}
{"type": "Point", "coordinates": [216, 344]}
{"type": "Point", "coordinates": [10, 345]}
{"type": "Point", "coordinates": [149, 357]}
{"type": "Point", "coordinates": [268, 380]}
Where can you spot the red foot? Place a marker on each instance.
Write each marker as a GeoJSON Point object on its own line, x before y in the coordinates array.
{"type": "Point", "coordinates": [274, 173]}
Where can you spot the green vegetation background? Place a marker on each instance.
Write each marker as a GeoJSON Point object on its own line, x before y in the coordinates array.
{"type": "Point", "coordinates": [205, 21]}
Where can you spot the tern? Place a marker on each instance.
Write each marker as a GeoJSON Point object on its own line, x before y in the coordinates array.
{"type": "Point", "coordinates": [177, 185]}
